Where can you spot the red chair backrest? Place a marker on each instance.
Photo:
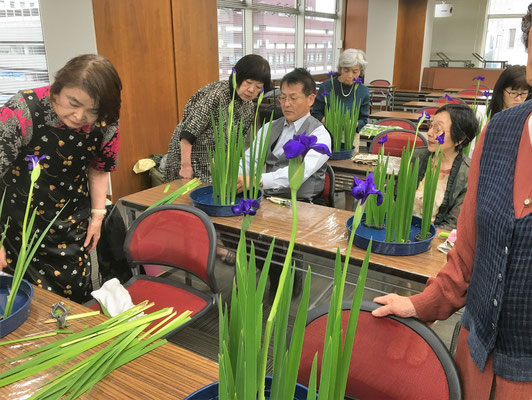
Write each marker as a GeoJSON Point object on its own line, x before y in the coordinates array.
{"type": "Point", "coordinates": [429, 110]}
{"type": "Point", "coordinates": [397, 139]}
{"type": "Point", "coordinates": [380, 82]}
{"type": "Point", "coordinates": [328, 187]}
{"type": "Point", "coordinates": [402, 123]}
{"type": "Point", "coordinates": [174, 235]}
{"type": "Point", "coordinates": [471, 92]}
{"type": "Point", "coordinates": [480, 87]}
{"type": "Point", "coordinates": [444, 100]}
{"type": "Point", "coordinates": [390, 360]}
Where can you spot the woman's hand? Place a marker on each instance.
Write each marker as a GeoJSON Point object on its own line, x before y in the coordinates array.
{"type": "Point", "coordinates": [3, 258]}
{"type": "Point", "coordinates": [186, 172]}
{"type": "Point", "coordinates": [93, 232]}
{"type": "Point", "coordinates": [394, 304]}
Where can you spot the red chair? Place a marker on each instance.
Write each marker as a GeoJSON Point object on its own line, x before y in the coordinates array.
{"type": "Point", "coordinates": [328, 187]}
{"type": "Point", "coordinates": [393, 358]}
{"type": "Point", "coordinates": [376, 95]}
{"type": "Point", "coordinates": [429, 110]}
{"type": "Point", "coordinates": [399, 122]}
{"type": "Point", "coordinates": [397, 139]}
{"type": "Point", "coordinates": [177, 236]}
{"type": "Point", "coordinates": [444, 100]}
{"type": "Point", "coordinates": [480, 87]}
{"type": "Point", "coordinates": [471, 92]}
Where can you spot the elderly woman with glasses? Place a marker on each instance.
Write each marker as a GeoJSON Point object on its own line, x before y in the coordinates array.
{"type": "Point", "coordinates": [351, 65]}
{"type": "Point", "coordinates": [511, 89]}
{"type": "Point", "coordinates": [453, 126]}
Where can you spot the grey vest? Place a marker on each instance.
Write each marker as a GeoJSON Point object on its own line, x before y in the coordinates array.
{"type": "Point", "coordinates": [313, 186]}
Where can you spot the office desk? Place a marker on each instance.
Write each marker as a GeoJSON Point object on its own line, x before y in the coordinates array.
{"type": "Point", "coordinates": [321, 230]}
{"type": "Point", "coordinates": [168, 372]}
{"type": "Point", "coordinates": [415, 105]}
{"type": "Point", "coordinates": [395, 114]}
{"type": "Point", "coordinates": [468, 98]}
{"type": "Point", "coordinates": [388, 91]}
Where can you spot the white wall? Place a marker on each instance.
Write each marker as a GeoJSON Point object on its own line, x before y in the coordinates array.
{"type": "Point", "coordinates": [380, 42]}
{"type": "Point", "coordinates": [68, 31]}
{"type": "Point", "coordinates": [427, 38]}
{"type": "Point", "coordinates": [462, 33]}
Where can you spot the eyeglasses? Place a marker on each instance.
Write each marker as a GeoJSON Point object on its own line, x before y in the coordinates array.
{"type": "Point", "coordinates": [291, 99]}
{"type": "Point", "coordinates": [437, 128]}
{"type": "Point", "coordinates": [514, 95]}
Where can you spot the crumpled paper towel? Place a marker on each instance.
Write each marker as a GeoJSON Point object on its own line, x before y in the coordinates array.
{"type": "Point", "coordinates": [143, 165]}
{"type": "Point", "coordinates": [114, 297]}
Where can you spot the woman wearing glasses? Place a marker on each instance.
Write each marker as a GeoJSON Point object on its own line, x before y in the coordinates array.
{"type": "Point", "coordinates": [453, 126]}
{"type": "Point", "coordinates": [511, 89]}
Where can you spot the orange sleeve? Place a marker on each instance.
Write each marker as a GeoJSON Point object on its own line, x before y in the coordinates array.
{"type": "Point", "coordinates": [446, 293]}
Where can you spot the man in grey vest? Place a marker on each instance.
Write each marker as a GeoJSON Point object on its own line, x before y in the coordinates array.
{"type": "Point", "coordinates": [298, 91]}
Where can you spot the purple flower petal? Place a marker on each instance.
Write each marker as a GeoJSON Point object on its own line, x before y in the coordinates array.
{"type": "Point", "coordinates": [322, 149]}
{"type": "Point", "coordinates": [449, 98]}
{"type": "Point", "coordinates": [383, 139]}
{"type": "Point", "coordinates": [325, 93]}
{"type": "Point", "coordinates": [246, 207]}
{"type": "Point", "coordinates": [33, 160]}
{"type": "Point", "coordinates": [234, 70]}
{"type": "Point", "coordinates": [486, 93]}
{"type": "Point", "coordinates": [301, 144]}
{"type": "Point", "coordinates": [331, 73]}
{"type": "Point", "coordinates": [357, 80]}
{"type": "Point", "coordinates": [236, 209]}
{"type": "Point", "coordinates": [293, 149]}
{"type": "Point", "coordinates": [362, 189]}
{"type": "Point", "coordinates": [441, 138]}
{"type": "Point", "coordinates": [478, 78]}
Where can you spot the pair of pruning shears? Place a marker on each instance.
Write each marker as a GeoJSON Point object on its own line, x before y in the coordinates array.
{"type": "Point", "coordinates": [280, 201]}
{"type": "Point", "coordinates": [60, 312]}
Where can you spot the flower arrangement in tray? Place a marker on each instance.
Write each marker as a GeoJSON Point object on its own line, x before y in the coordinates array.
{"type": "Point", "coordinates": [244, 346]}
{"type": "Point", "coordinates": [30, 240]}
{"type": "Point", "coordinates": [395, 212]}
{"type": "Point", "coordinates": [339, 121]}
{"type": "Point", "coordinates": [229, 154]}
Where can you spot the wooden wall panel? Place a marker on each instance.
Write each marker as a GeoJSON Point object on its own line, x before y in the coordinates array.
{"type": "Point", "coordinates": [409, 43]}
{"type": "Point", "coordinates": [196, 46]}
{"type": "Point", "coordinates": [356, 24]}
{"type": "Point", "coordinates": [137, 37]}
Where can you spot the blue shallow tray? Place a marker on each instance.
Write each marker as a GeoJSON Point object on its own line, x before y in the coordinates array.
{"type": "Point", "coordinates": [342, 154]}
{"type": "Point", "coordinates": [21, 306]}
{"type": "Point", "coordinates": [364, 233]}
{"type": "Point", "coordinates": [210, 392]}
{"type": "Point", "coordinates": [202, 199]}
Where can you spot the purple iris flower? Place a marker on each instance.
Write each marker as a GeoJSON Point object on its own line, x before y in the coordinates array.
{"type": "Point", "coordinates": [357, 80]}
{"type": "Point", "coordinates": [325, 93]}
{"type": "Point", "coordinates": [234, 70]}
{"type": "Point", "coordinates": [362, 189]}
{"type": "Point", "coordinates": [486, 93]}
{"type": "Point", "coordinates": [441, 138]}
{"type": "Point", "coordinates": [246, 207]}
{"type": "Point", "coordinates": [448, 98]}
{"type": "Point", "coordinates": [331, 73]}
{"type": "Point", "coordinates": [383, 139]}
{"type": "Point", "coordinates": [478, 78]}
{"type": "Point", "coordinates": [425, 115]}
{"type": "Point", "coordinates": [33, 160]}
{"type": "Point", "coordinates": [301, 144]}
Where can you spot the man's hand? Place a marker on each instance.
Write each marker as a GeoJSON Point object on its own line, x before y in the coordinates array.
{"type": "Point", "coordinates": [186, 172]}
{"type": "Point", "coordinates": [394, 304]}
{"type": "Point", "coordinates": [240, 183]}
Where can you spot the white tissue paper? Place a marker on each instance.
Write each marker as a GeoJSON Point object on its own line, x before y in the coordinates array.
{"type": "Point", "coordinates": [114, 297]}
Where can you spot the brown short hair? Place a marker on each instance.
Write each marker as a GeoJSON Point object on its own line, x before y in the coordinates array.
{"type": "Point", "coordinates": [96, 76]}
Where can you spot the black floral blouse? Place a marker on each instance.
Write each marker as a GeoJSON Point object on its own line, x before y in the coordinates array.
{"type": "Point", "coordinates": [196, 127]}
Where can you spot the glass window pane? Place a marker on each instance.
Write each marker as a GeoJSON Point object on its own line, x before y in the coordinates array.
{"type": "Point", "coordinates": [282, 3]}
{"type": "Point", "coordinates": [230, 39]}
{"type": "Point", "coordinates": [324, 6]}
{"type": "Point", "coordinates": [508, 7]}
{"type": "Point", "coordinates": [319, 38]}
{"type": "Point", "coordinates": [23, 59]}
{"type": "Point", "coordinates": [276, 34]}
{"type": "Point", "coordinates": [501, 43]}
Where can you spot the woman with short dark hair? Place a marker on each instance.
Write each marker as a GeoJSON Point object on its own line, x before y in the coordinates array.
{"type": "Point", "coordinates": [455, 125]}
{"type": "Point", "coordinates": [511, 89]}
{"type": "Point", "coordinates": [73, 127]}
{"type": "Point", "coordinates": [193, 138]}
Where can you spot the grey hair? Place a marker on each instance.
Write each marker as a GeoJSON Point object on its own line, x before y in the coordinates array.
{"type": "Point", "coordinates": [526, 23]}
{"type": "Point", "coordinates": [352, 58]}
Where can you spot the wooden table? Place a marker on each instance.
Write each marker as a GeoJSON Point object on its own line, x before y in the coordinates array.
{"type": "Point", "coordinates": [396, 114]}
{"type": "Point", "coordinates": [420, 104]}
{"type": "Point", "coordinates": [168, 372]}
{"type": "Point", "coordinates": [321, 230]}
{"type": "Point", "coordinates": [468, 98]}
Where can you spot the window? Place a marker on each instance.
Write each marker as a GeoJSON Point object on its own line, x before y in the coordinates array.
{"type": "Point", "coordinates": [503, 35]}
{"type": "Point", "coordinates": [230, 39]}
{"type": "Point", "coordinates": [23, 57]}
{"type": "Point", "coordinates": [287, 33]}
